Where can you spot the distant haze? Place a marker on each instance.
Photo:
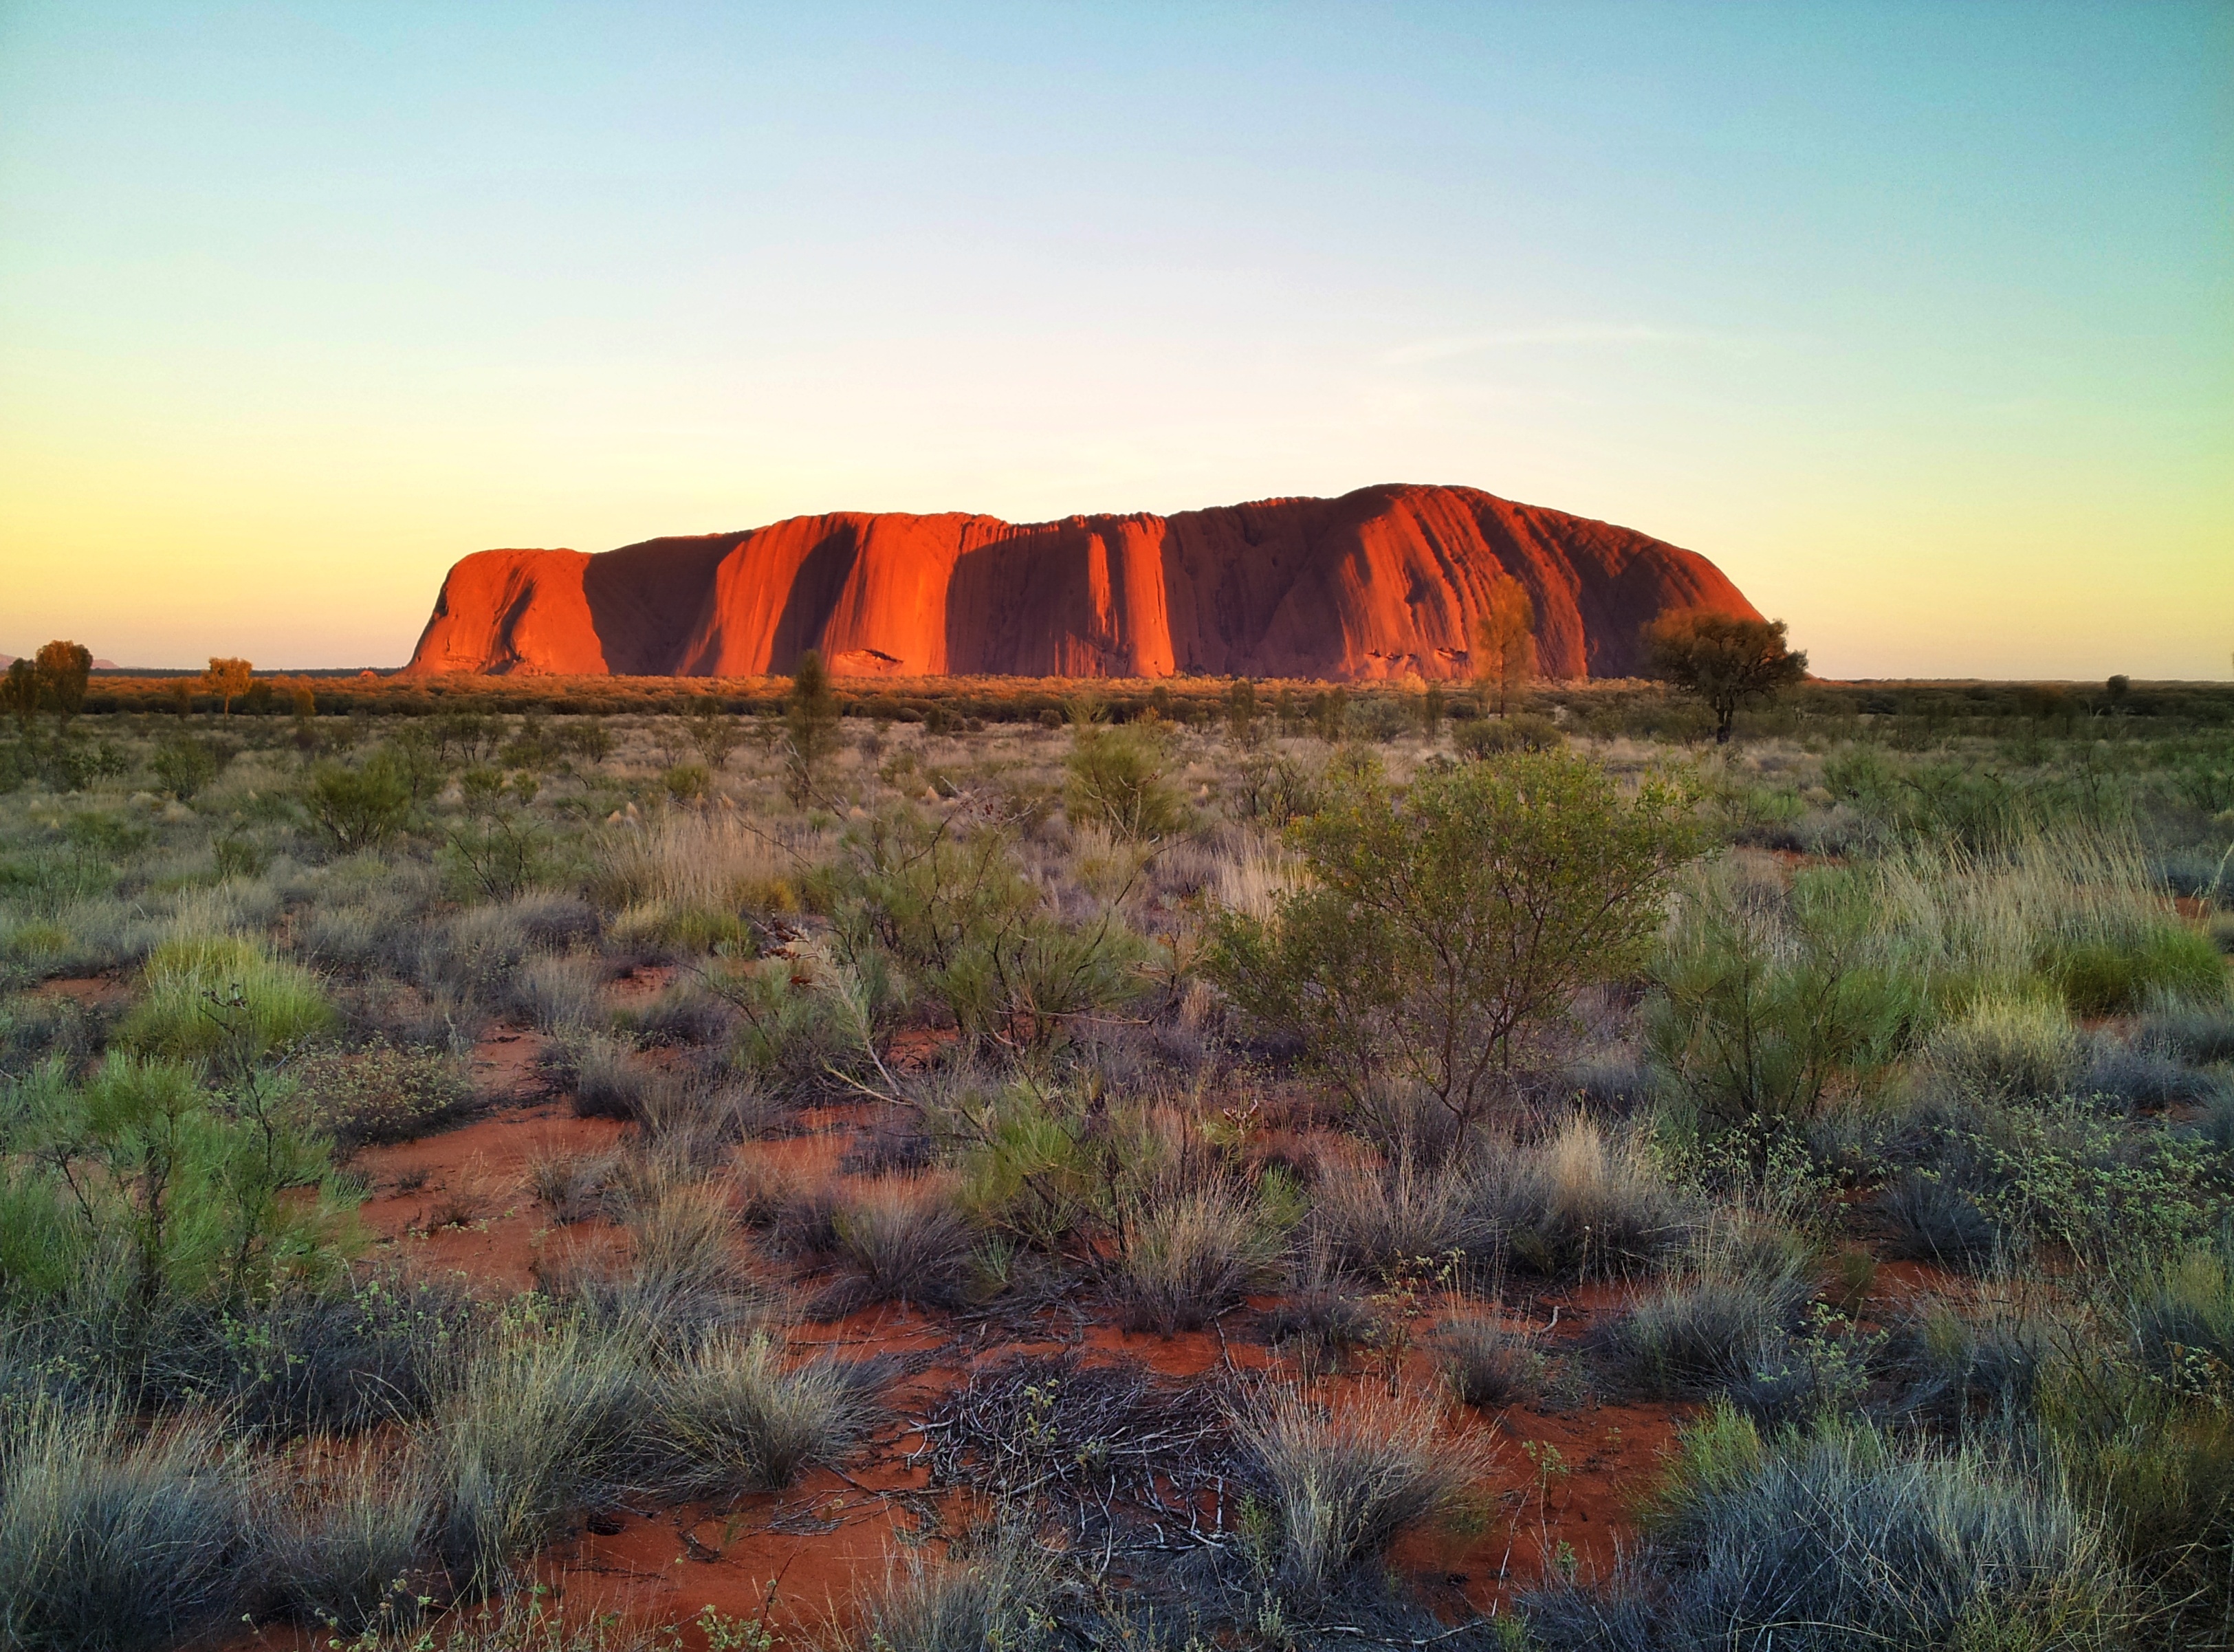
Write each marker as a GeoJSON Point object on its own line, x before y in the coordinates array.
{"type": "Point", "coordinates": [1917, 319]}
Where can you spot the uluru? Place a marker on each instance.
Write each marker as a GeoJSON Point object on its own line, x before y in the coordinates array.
{"type": "Point", "coordinates": [1387, 582]}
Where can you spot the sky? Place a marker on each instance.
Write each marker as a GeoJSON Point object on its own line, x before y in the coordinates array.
{"type": "Point", "coordinates": [1917, 319]}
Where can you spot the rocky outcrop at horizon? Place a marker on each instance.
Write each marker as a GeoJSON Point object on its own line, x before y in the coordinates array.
{"type": "Point", "coordinates": [1387, 582]}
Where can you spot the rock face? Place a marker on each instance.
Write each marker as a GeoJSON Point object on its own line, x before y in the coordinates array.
{"type": "Point", "coordinates": [1385, 582]}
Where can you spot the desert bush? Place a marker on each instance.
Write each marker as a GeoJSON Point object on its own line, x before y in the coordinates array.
{"type": "Point", "coordinates": [788, 1035]}
{"type": "Point", "coordinates": [193, 1199]}
{"type": "Point", "coordinates": [1188, 1257]}
{"type": "Point", "coordinates": [359, 808]}
{"type": "Point", "coordinates": [1846, 1538]}
{"type": "Point", "coordinates": [951, 905]}
{"type": "Point", "coordinates": [184, 765]}
{"type": "Point", "coordinates": [1115, 780]}
{"type": "Point", "coordinates": [1766, 1002]}
{"type": "Point", "coordinates": [1277, 791]}
{"type": "Point", "coordinates": [202, 993]}
{"type": "Point", "coordinates": [1495, 736]}
{"type": "Point", "coordinates": [1339, 1484]}
{"type": "Point", "coordinates": [1443, 931]}
{"type": "Point", "coordinates": [380, 1092]}
{"type": "Point", "coordinates": [732, 1417]}
{"type": "Point", "coordinates": [115, 1538]}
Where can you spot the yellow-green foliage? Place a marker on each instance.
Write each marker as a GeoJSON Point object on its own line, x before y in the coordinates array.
{"type": "Point", "coordinates": [204, 991]}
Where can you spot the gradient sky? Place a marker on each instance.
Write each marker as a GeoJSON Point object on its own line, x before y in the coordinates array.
{"type": "Point", "coordinates": [1918, 319]}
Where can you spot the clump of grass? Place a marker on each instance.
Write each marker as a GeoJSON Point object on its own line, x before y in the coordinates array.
{"type": "Point", "coordinates": [544, 1423]}
{"type": "Point", "coordinates": [1851, 1539]}
{"type": "Point", "coordinates": [558, 996]}
{"type": "Point", "coordinates": [1374, 1220]}
{"type": "Point", "coordinates": [113, 1539]}
{"type": "Point", "coordinates": [201, 992]}
{"type": "Point", "coordinates": [2199, 1034]}
{"type": "Point", "coordinates": [1188, 1257]}
{"type": "Point", "coordinates": [349, 1550]}
{"type": "Point", "coordinates": [900, 1240]}
{"type": "Point", "coordinates": [1487, 1364]}
{"type": "Point", "coordinates": [1586, 1200]}
{"type": "Point", "coordinates": [567, 1181]}
{"type": "Point", "coordinates": [610, 1081]}
{"type": "Point", "coordinates": [1712, 1327]}
{"type": "Point", "coordinates": [2010, 1047]}
{"type": "Point", "coordinates": [685, 1275]}
{"type": "Point", "coordinates": [1341, 1484]}
{"type": "Point", "coordinates": [990, 1596]}
{"type": "Point", "coordinates": [1931, 1218]}
{"type": "Point", "coordinates": [731, 1416]}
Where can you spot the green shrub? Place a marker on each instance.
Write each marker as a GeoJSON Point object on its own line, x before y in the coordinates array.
{"type": "Point", "coordinates": [360, 808]}
{"type": "Point", "coordinates": [1445, 929]}
{"type": "Point", "coordinates": [1116, 781]}
{"type": "Point", "coordinates": [1762, 1006]}
{"type": "Point", "coordinates": [193, 1188]}
{"type": "Point", "coordinates": [183, 765]}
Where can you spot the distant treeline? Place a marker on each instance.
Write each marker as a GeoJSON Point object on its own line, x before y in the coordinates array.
{"type": "Point", "coordinates": [1930, 710]}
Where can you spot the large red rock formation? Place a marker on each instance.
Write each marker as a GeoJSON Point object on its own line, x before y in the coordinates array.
{"type": "Point", "coordinates": [1385, 582]}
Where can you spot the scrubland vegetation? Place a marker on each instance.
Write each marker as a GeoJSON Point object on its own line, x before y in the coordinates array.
{"type": "Point", "coordinates": [1857, 1094]}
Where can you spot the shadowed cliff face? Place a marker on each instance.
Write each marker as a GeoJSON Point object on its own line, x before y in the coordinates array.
{"type": "Point", "coordinates": [1385, 582]}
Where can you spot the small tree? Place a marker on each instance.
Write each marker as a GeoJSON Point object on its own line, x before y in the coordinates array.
{"type": "Point", "coordinates": [1504, 643]}
{"type": "Point", "coordinates": [19, 693]}
{"type": "Point", "coordinates": [62, 670]}
{"type": "Point", "coordinates": [1435, 706]}
{"type": "Point", "coordinates": [713, 730]}
{"type": "Point", "coordinates": [810, 725]}
{"type": "Point", "coordinates": [226, 681]}
{"type": "Point", "coordinates": [1241, 720]}
{"type": "Point", "coordinates": [1723, 659]}
{"type": "Point", "coordinates": [1444, 928]}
